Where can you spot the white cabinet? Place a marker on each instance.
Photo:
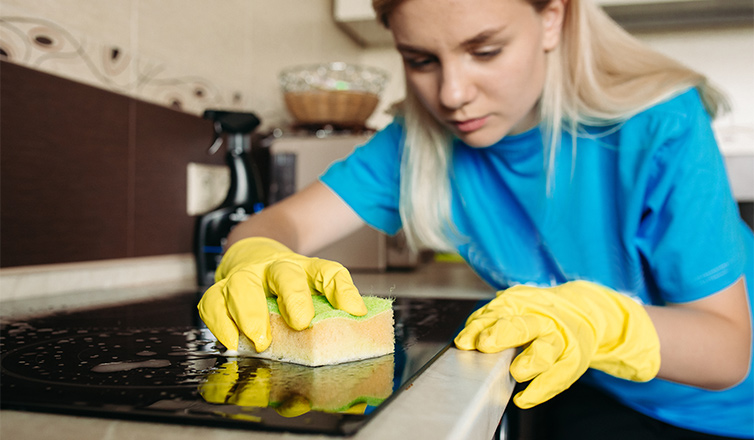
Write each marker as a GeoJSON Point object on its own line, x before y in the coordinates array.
{"type": "Point", "coordinates": [358, 20]}
{"type": "Point", "coordinates": [666, 15]}
{"type": "Point", "coordinates": [637, 2]}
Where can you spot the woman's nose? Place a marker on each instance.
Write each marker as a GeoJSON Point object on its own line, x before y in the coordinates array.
{"type": "Point", "coordinates": [456, 87]}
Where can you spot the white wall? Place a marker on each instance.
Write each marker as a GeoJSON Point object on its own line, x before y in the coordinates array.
{"type": "Point", "coordinates": [725, 55]}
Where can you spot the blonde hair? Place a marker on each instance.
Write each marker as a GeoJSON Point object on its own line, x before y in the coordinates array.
{"type": "Point", "coordinates": [599, 75]}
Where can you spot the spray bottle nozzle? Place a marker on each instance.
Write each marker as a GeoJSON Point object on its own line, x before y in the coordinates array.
{"type": "Point", "coordinates": [230, 122]}
{"type": "Point", "coordinates": [233, 122]}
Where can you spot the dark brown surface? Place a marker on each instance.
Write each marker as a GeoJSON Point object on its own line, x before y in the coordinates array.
{"type": "Point", "coordinates": [87, 174]}
{"type": "Point", "coordinates": [165, 142]}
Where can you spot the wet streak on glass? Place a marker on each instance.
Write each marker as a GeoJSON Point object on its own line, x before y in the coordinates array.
{"type": "Point", "coordinates": [156, 361]}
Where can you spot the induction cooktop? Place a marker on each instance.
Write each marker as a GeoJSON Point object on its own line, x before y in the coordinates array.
{"type": "Point", "coordinates": [156, 361]}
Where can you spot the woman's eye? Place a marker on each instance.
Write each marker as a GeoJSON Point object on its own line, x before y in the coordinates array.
{"type": "Point", "coordinates": [487, 53]}
{"type": "Point", "coordinates": [419, 63]}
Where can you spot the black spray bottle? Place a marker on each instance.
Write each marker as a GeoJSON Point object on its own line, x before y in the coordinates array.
{"type": "Point", "coordinates": [244, 196]}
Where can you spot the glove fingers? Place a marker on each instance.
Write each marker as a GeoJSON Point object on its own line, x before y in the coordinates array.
{"type": "Point", "coordinates": [334, 281]}
{"type": "Point", "coordinates": [247, 305]}
{"type": "Point", "coordinates": [511, 331]}
{"type": "Point", "coordinates": [559, 377]}
{"type": "Point", "coordinates": [288, 281]}
{"type": "Point", "coordinates": [467, 338]}
{"type": "Point", "coordinates": [507, 303]}
{"type": "Point", "coordinates": [539, 356]}
{"type": "Point", "coordinates": [546, 386]}
{"type": "Point", "coordinates": [214, 312]}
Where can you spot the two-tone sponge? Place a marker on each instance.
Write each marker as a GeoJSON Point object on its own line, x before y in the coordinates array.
{"type": "Point", "coordinates": [334, 336]}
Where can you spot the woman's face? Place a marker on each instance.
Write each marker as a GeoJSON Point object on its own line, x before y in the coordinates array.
{"type": "Point", "coordinates": [478, 66]}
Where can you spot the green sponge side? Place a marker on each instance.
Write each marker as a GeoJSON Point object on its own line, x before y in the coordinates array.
{"type": "Point", "coordinates": [323, 310]}
{"type": "Point", "coordinates": [371, 401]}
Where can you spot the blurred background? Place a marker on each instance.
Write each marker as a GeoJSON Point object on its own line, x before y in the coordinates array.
{"type": "Point", "coordinates": [194, 54]}
{"type": "Point", "coordinates": [103, 146]}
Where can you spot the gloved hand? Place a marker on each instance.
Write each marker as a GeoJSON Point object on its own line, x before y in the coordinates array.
{"type": "Point", "coordinates": [568, 329]}
{"type": "Point", "coordinates": [257, 267]}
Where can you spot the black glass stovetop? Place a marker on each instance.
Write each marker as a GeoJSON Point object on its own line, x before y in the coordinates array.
{"type": "Point", "coordinates": [156, 361]}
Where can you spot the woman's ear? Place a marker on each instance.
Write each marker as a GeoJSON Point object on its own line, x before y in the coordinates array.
{"type": "Point", "coordinates": [553, 16]}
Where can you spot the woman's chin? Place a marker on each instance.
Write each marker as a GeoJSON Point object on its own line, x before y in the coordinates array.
{"type": "Point", "coordinates": [480, 139]}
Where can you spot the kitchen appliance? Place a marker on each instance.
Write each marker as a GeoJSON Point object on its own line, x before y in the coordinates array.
{"type": "Point", "coordinates": [245, 195]}
{"type": "Point", "coordinates": [155, 361]}
{"type": "Point", "coordinates": [298, 158]}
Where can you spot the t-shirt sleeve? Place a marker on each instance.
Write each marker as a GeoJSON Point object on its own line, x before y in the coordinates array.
{"type": "Point", "coordinates": [368, 180]}
{"type": "Point", "coordinates": [690, 232]}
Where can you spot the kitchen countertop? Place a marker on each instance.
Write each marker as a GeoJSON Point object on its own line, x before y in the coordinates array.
{"type": "Point", "coordinates": [462, 395]}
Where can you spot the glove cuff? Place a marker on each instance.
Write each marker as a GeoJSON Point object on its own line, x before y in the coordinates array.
{"type": "Point", "coordinates": [629, 347]}
{"type": "Point", "coordinates": [246, 251]}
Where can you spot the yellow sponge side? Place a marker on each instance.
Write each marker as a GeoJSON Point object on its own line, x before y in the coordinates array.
{"type": "Point", "coordinates": [334, 337]}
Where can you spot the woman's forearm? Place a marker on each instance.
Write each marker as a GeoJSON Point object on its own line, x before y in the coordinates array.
{"type": "Point", "coordinates": [706, 343]}
{"type": "Point", "coordinates": [270, 223]}
{"type": "Point", "coordinates": [304, 222]}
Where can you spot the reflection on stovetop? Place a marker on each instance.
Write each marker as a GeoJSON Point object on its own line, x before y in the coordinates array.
{"type": "Point", "coordinates": [156, 361]}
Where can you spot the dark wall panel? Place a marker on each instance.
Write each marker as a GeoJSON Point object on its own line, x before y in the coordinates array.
{"type": "Point", "coordinates": [165, 144]}
{"type": "Point", "coordinates": [87, 174]}
{"type": "Point", "coordinates": [64, 179]}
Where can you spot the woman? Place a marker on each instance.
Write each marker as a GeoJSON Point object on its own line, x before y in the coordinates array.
{"type": "Point", "coordinates": [576, 172]}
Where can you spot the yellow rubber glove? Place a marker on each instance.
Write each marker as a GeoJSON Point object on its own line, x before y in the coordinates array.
{"type": "Point", "coordinates": [255, 268]}
{"type": "Point", "coordinates": [568, 329]}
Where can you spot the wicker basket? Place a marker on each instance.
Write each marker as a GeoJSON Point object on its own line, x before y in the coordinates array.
{"type": "Point", "coordinates": [336, 93]}
{"type": "Point", "coordinates": [340, 107]}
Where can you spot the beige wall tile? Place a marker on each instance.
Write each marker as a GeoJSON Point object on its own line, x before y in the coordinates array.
{"type": "Point", "coordinates": [197, 53]}
{"type": "Point", "coordinates": [92, 47]}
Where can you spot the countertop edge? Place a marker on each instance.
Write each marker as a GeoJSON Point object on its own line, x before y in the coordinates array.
{"type": "Point", "coordinates": [28, 282]}
{"type": "Point", "coordinates": [480, 386]}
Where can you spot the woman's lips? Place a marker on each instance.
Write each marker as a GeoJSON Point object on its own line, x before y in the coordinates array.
{"type": "Point", "coordinates": [470, 124]}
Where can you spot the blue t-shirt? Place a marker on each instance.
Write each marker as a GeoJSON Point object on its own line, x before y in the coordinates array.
{"type": "Point", "coordinates": [643, 207]}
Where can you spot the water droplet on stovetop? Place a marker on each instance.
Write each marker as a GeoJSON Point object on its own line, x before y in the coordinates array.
{"type": "Point", "coordinates": [110, 367]}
